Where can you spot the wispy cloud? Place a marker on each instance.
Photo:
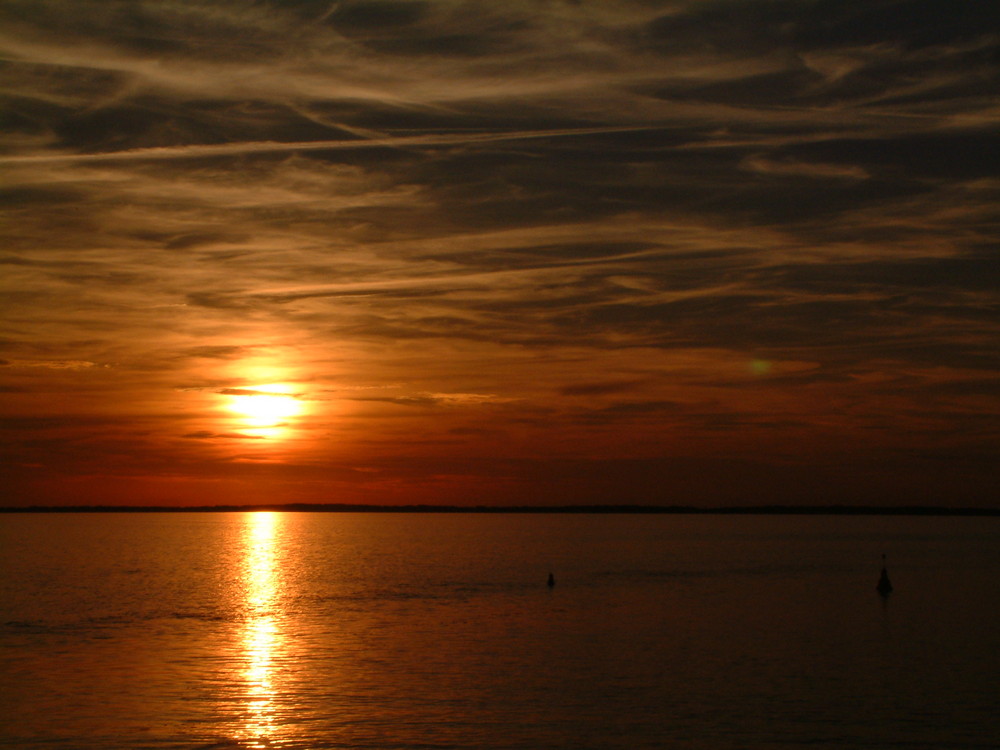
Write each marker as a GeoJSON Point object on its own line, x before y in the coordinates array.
{"type": "Point", "coordinates": [235, 149]}
{"type": "Point", "coordinates": [48, 364]}
{"type": "Point", "coordinates": [763, 165]}
{"type": "Point", "coordinates": [562, 235]}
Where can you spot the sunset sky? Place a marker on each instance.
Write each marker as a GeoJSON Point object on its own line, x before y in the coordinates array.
{"type": "Point", "coordinates": [546, 252]}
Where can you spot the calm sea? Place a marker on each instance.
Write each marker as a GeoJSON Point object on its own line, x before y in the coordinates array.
{"type": "Point", "coordinates": [335, 630]}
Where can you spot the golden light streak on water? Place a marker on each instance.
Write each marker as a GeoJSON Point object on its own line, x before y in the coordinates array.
{"type": "Point", "coordinates": [261, 635]}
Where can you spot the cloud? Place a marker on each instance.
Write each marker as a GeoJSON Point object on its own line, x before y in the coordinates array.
{"type": "Point", "coordinates": [763, 165]}
{"type": "Point", "coordinates": [437, 399]}
{"type": "Point", "coordinates": [49, 364]}
{"type": "Point", "coordinates": [221, 351]}
{"type": "Point", "coordinates": [599, 389]}
{"type": "Point", "coordinates": [592, 218]}
{"type": "Point", "coordinates": [49, 422]}
{"type": "Point", "coordinates": [254, 392]}
{"type": "Point", "coordinates": [200, 151]}
{"type": "Point", "coordinates": [208, 435]}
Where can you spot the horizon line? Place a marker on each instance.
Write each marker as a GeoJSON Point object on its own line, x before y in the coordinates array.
{"type": "Point", "coordinates": [772, 509]}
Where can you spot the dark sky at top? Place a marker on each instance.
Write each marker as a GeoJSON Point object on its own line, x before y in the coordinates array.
{"type": "Point", "coordinates": [522, 252]}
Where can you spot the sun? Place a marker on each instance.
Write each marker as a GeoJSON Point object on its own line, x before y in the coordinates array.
{"type": "Point", "coordinates": [265, 405]}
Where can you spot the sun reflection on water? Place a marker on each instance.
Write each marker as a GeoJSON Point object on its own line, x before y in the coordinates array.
{"type": "Point", "coordinates": [261, 635]}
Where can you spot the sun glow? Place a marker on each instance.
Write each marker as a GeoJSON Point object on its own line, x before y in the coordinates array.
{"type": "Point", "coordinates": [265, 405]}
{"type": "Point", "coordinates": [264, 410]}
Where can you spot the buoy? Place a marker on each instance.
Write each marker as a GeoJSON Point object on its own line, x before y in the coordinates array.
{"type": "Point", "coordinates": [552, 580]}
{"type": "Point", "coordinates": [884, 586]}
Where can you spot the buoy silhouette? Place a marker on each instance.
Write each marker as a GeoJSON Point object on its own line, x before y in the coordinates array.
{"type": "Point", "coordinates": [884, 586]}
{"type": "Point", "coordinates": [552, 580]}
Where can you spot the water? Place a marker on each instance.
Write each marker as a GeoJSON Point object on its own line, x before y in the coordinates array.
{"type": "Point", "coordinates": [301, 630]}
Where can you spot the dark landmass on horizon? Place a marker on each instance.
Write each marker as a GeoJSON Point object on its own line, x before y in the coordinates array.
{"type": "Point", "coordinates": [798, 510]}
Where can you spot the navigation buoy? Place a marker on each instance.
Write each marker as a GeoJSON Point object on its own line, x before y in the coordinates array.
{"type": "Point", "coordinates": [884, 586]}
{"type": "Point", "coordinates": [552, 580]}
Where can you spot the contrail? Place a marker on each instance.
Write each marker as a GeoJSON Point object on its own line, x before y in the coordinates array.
{"type": "Point", "coordinates": [197, 151]}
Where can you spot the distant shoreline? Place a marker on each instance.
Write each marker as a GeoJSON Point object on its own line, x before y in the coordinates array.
{"type": "Point", "coordinates": [767, 510]}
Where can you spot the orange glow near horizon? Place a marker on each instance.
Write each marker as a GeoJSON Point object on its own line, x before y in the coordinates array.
{"type": "Point", "coordinates": [669, 293]}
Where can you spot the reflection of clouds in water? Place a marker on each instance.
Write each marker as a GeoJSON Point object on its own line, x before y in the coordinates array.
{"type": "Point", "coordinates": [260, 634]}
